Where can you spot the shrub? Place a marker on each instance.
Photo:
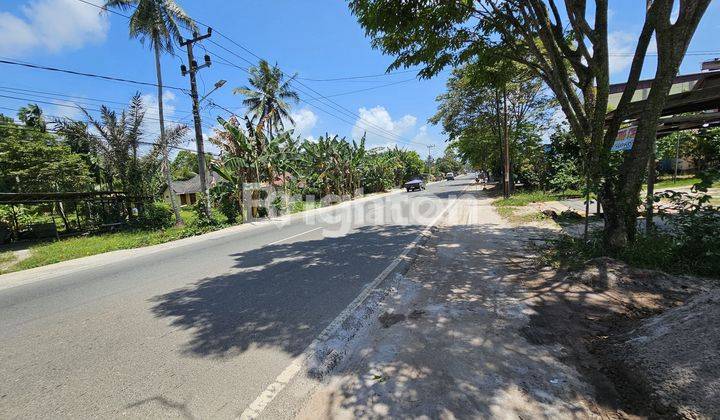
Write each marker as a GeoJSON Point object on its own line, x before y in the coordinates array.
{"type": "Point", "coordinates": [693, 250]}
{"type": "Point", "coordinates": [566, 176]}
{"type": "Point", "coordinates": [154, 215]}
{"type": "Point", "coordinates": [695, 226]}
{"type": "Point", "coordinates": [225, 199]}
{"type": "Point", "coordinates": [200, 208]}
{"type": "Point", "coordinates": [230, 208]}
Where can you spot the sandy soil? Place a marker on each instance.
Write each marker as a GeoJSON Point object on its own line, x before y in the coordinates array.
{"type": "Point", "coordinates": [595, 311]}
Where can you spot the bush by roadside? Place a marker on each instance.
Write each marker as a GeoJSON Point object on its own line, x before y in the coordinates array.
{"type": "Point", "coordinates": [686, 244]}
{"type": "Point", "coordinates": [154, 215]}
{"type": "Point", "coordinates": [659, 251]}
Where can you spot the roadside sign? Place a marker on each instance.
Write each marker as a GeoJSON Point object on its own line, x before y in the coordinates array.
{"type": "Point", "coordinates": [624, 139]}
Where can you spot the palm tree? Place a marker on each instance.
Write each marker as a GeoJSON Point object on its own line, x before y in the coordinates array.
{"type": "Point", "coordinates": [157, 22]}
{"type": "Point", "coordinates": [118, 138]}
{"type": "Point", "coordinates": [32, 116]}
{"type": "Point", "coordinates": [267, 97]}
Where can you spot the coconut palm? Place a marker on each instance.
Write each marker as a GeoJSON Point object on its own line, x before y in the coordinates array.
{"type": "Point", "coordinates": [267, 97]}
{"type": "Point", "coordinates": [32, 116]}
{"type": "Point", "coordinates": [157, 22]}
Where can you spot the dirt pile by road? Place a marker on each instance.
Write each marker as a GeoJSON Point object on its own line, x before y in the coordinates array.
{"type": "Point", "coordinates": [674, 357]}
{"type": "Point", "coordinates": [646, 340]}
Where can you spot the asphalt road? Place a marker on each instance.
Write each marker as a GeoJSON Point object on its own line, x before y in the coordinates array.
{"type": "Point", "coordinates": [199, 330]}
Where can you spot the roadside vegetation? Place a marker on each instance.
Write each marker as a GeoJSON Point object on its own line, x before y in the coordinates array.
{"type": "Point", "coordinates": [110, 152]}
{"type": "Point", "coordinates": [524, 198]}
{"type": "Point", "coordinates": [686, 243]}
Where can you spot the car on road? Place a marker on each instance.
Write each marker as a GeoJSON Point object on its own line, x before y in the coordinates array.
{"type": "Point", "coordinates": [450, 176]}
{"type": "Point", "coordinates": [414, 185]}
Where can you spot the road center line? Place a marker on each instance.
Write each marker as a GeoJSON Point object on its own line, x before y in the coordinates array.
{"type": "Point", "coordinates": [294, 236]}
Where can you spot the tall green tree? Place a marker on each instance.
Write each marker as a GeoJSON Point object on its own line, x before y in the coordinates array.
{"type": "Point", "coordinates": [568, 47]}
{"type": "Point", "coordinates": [268, 96]}
{"type": "Point", "coordinates": [185, 164]}
{"type": "Point", "coordinates": [701, 147]}
{"type": "Point", "coordinates": [505, 101]}
{"type": "Point", "coordinates": [157, 22]}
{"type": "Point", "coordinates": [32, 116]}
{"type": "Point", "coordinates": [32, 160]}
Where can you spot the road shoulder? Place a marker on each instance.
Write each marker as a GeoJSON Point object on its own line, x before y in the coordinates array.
{"type": "Point", "coordinates": [449, 342]}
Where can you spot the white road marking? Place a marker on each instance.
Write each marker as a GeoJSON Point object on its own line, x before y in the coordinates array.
{"type": "Point", "coordinates": [294, 236]}
{"type": "Point", "coordinates": [261, 402]}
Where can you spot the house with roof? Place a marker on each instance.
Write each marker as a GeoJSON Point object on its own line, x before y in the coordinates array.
{"type": "Point", "coordinates": [187, 191]}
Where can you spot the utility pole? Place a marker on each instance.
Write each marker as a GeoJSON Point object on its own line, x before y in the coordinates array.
{"type": "Point", "coordinates": [507, 188]}
{"type": "Point", "coordinates": [429, 159]}
{"type": "Point", "coordinates": [196, 109]}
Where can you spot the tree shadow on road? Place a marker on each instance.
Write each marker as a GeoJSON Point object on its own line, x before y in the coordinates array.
{"type": "Point", "coordinates": [458, 350]}
{"type": "Point", "coordinates": [280, 295]}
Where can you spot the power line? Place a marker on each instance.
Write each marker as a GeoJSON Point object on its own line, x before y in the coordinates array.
{"type": "Point", "coordinates": [335, 79]}
{"type": "Point", "coordinates": [80, 73]}
{"type": "Point", "coordinates": [368, 126]}
{"type": "Point", "coordinates": [689, 53]}
{"type": "Point", "coordinates": [394, 139]}
{"type": "Point", "coordinates": [75, 106]}
{"type": "Point", "coordinates": [56, 132]}
{"type": "Point", "coordinates": [370, 88]}
{"type": "Point", "coordinates": [333, 105]}
{"type": "Point", "coordinates": [68, 98]}
{"type": "Point", "coordinates": [336, 106]}
{"type": "Point", "coordinates": [56, 96]}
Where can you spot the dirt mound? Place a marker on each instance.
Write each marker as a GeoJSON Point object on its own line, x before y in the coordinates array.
{"type": "Point", "coordinates": [674, 356]}
{"type": "Point", "coordinates": [596, 312]}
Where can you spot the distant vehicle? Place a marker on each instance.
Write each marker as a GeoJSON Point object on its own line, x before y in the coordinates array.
{"type": "Point", "coordinates": [414, 185]}
{"type": "Point", "coordinates": [450, 176]}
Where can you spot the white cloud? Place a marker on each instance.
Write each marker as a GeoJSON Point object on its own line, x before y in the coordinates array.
{"type": "Point", "coordinates": [380, 126]}
{"type": "Point", "coordinates": [621, 46]}
{"type": "Point", "coordinates": [423, 136]}
{"type": "Point", "coordinates": [53, 26]}
{"type": "Point", "coordinates": [305, 121]}
{"type": "Point", "coordinates": [151, 124]}
{"type": "Point", "coordinates": [65, 109]}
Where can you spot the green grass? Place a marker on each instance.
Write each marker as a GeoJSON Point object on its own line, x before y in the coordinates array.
{"type": "Point", "coordinates": [680, 182]}
{"type": "Point", "coordinates": [510, 214]}
{"type": "Point", "coordinates": [524, 198]}
{"type": "Point", "coordinates": [656, 251]}
{"type": "Point", "coordinates": [83, 246]}
{"type": "Point", "coordinates": [300, 206]}
{"type": "Point", "coordinates": [6, 257]}
{"type": "Point", "coordinates": [78, 247]}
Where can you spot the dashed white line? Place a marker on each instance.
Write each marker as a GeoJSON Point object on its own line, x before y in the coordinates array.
{"type": "Point", "coordinates": [294, 236]}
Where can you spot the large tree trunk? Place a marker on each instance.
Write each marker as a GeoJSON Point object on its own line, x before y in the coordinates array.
{"type": "Point", "coordinates": [622, 197]}
{"type": "Point", "coordinates": [164, 145]}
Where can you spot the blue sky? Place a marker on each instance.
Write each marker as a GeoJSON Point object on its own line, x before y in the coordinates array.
{"type": "Point", "coordinates": [317, 39]}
